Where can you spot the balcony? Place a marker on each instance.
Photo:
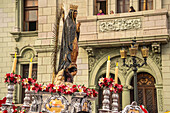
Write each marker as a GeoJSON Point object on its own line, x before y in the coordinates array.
{"type": "Point", "coordinates": [119, 29]}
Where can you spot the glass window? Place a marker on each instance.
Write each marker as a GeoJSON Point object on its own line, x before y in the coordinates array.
{"type": "Point", "coordinates": [145, 5]}
{"type": "Point", "coordinates": [100, 4]}
{"type": "Point", "coordinates": [30, 15]}
{"type": "Point", "coordinates": [123, 6]}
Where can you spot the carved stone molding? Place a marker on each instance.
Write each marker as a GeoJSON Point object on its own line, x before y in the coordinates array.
{"type": "Point", "coordinates": [156, 57]}
{"type": "Point", "coordinates": [156, 48]}
{"type": "Point", "coordinates": [28, 54]}
{"type": "Point", "coordinates": [120, 24]}
{"type": "Point", "coordinates": [160, 100]}
{"type": "Point", "coordinates": [91, 58]}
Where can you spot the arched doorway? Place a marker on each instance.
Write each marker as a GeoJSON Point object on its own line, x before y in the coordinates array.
{"type": "Point", "coordinates": [100, 96]}
{"type": "Point", "coordinates": [146, 92]}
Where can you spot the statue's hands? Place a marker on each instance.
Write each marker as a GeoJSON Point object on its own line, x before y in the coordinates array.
{"type": "Point", "coordinates": [78, 27]}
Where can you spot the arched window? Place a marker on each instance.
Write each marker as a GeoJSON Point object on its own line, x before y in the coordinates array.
{"type": "Point", "coordinates": [100, 96]}
{"type": "Point", "coordinates": [145, 5]}
{"type": "Point", "coordinates": [123, 6]}
{"type": "Point", "coordinates": [146, 92]}
{"type": "Point", "coordinates": [100, 4]}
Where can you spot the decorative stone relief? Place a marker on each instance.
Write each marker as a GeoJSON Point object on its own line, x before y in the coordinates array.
{"type": "Point", "coordinates": [156, 48]}
{"type": "Point", "coordinates": [160, 100]}
{"type": "Point", "coordinates": [119, 24]}
{"type": "Point", "coordinates": [156, 57]}
{"type": "Point", "coordinates": [28, 54]}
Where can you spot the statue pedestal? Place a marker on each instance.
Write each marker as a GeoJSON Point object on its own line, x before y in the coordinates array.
{"type": "Point", "coordinates": [50, 103]}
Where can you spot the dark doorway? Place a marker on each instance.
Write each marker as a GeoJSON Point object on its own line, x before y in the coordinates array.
{"type": "Point", "coordinates": [146, 92]}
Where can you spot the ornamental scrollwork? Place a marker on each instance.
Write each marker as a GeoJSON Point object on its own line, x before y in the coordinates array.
{"type": "Point", "coordinates": [119, 24]}
{"type": "Point", "coordinates": [156, 57]}
{"type": "Point", "coordinates": [160, 101]}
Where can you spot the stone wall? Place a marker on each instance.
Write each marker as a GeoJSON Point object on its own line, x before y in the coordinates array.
{"type": "Point", "coordinates": [166, 64]}
{"type": "Point", "coordinates": [7, 22]}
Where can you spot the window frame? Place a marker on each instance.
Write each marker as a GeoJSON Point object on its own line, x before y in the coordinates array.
{"type": "Point", "coordinates": [96, 7]}
{"type": "Point", "coordinates": [146, 5]}
{"type": "Point", "coordinates": [26, 9]}
{"type": "Point", "coordinates": [124, 4]}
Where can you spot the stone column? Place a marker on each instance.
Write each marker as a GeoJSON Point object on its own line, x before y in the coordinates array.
{"type": "Point", "coordinates": [157, 4]}
{"type": "Point", "coordinates": [159, 89]}
{"type": "Point", "coordinates": [113, 5]}
{"type": "Point", "coordinates": [125, 96]}
{"type": "Point", "coordinates": [135, 4]}
{"type": "Point", "coordinates": [109, 6]}
{"type": "Point", "coordinates": [90, 8]}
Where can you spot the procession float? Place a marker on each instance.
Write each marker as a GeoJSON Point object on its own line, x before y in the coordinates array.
{"type": "Point", "coordinates": [61, 95]}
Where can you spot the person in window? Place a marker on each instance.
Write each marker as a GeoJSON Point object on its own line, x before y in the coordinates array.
{"type": "Point", "coordinates": [100, 12]}
{"type": "Point", "coordinates": [131, 9]}
{"type": "Point", "coordinates": [111, 12]}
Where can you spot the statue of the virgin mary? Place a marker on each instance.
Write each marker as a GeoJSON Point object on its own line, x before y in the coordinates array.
{"type": "Point", "coordinates": [67, 68]}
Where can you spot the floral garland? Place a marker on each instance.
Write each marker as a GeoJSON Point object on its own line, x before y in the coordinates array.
{"type": "Point", "coordinates": [64, 89]}
{"type": "Point", "coordinates": [11, 78]}
{"type": "Point", "coordinates": [109, 83]}
{"type": "Point", "coordinates": [33, 85]}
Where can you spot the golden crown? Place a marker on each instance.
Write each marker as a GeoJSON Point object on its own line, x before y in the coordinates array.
{"type": "Point", "coordinates": [74, 7]}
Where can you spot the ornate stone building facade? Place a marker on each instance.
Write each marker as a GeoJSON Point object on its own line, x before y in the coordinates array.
{"type": "Point", "coordinates": [26, 28]}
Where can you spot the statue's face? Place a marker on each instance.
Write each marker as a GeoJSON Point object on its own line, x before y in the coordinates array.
{"type": "Point", "coordinates": [74, 73]}
{"type": "Point", "coordinates": [75, 15]}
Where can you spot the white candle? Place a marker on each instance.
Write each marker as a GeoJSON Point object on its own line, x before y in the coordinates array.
{"type": "Point", "coordinates": [14, 64]}
{"type": "Point", "coordinates": [108, 68]}
{"type": "Point", "coordinates": [116, 73]}
{"type": "Point", "coordinates": [30, 69]}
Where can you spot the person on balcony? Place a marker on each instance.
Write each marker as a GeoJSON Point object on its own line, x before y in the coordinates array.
{"type": "Point", "coordinates": [131, 9]}
{"type": "Point", "coordinates": [100, 12]}
{"type": "Point", "coordinates": [111, 12]}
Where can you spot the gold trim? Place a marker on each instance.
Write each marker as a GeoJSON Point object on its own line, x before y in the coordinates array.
{"type": "Point", "coordinates": [74, 7]}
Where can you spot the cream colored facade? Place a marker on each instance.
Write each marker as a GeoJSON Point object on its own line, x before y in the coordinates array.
{"type": "Point", "coordinates": [96, 42]}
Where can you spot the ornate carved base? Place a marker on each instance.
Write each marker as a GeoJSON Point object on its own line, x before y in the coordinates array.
{"type": "Point", "coordinates": [104, 111]}
{"type": "Point", "coordinates": [106, 101]}
{"type": "Point", "coordinates": [8, 105]}
{"type": "Point", "coordinates": [26, 105]}
{"type": "Point", "coordinates": [115, 105]}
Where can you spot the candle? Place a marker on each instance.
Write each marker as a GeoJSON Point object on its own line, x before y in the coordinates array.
{"type": "Point", "coordinates": [116, 73]}
{"type": "Point", "coordinates": [14, 64]}
{"type": "Point", "coordinates": [108, 68]}
{"type": "Point", "coordinates": [30, 69]}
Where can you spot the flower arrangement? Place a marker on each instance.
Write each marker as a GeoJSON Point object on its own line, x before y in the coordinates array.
{"type": "Point", "coordinates": [11, 78]}
{"type": "Point", "coordinates": [116, 88]}
{"type": "Point", "coordinates": [106, 82]}
{"type": "Point", "coordinates": [27, 82]}
{"type": "Point", "coordinates": [109, 83]}
{"type": "Point", "coordinates": [36, 87]}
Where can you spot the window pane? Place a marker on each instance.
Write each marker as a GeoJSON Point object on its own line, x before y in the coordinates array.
{"type": "Point", "coordinates": [127, 5]}
{"type": "Point", "coordinates": [30, 3]}
{"type": "Point", "coordinates": [32, 26]}
{"type": "Point", "coordinates": [142, 5]}
{"type": "Point", "coordinates": [33, 15]}
{"type": "Point", "coordinates": [120, 6]}
{"type": "Point", "coordinates": [150, 5]}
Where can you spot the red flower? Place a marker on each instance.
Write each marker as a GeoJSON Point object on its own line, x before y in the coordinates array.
{"type": "Point", "coordinates": [5, 111]}
{"type": "Point", "coordinates": [12, 79]}
{"type": "Point", "coordinates": [36, 85]}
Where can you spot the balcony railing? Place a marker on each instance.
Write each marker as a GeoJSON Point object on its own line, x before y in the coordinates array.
{"type": "Point", "coordinates": [117, 29]}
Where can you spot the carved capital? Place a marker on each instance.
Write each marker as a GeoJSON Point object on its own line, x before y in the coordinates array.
{"type": "Point", "coordinates": [90, 51]}
{"type": "Point", "coordinates": [156, 48]}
